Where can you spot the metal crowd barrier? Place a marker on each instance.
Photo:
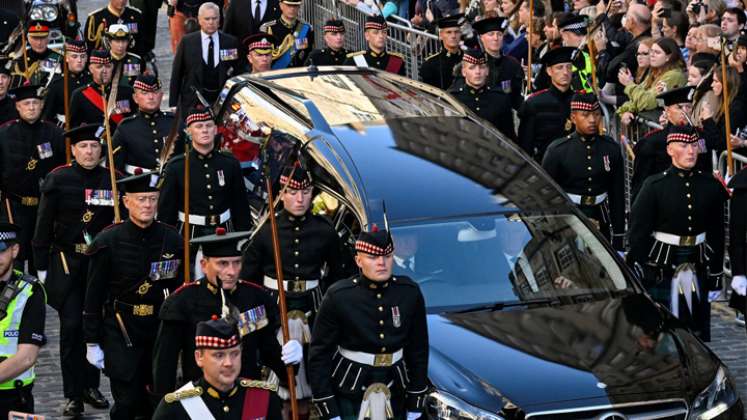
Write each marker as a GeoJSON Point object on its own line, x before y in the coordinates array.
{"type": "Point", "coordinates": [414, 45]}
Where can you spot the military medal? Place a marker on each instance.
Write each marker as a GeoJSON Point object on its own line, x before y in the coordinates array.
{"type": "Point", "coordinates": [221, 178]}
{"type": "Point", "coordinates": [45, 150]}
{"type": "Point", "coordinates": [32, 164]}
{"type": "Point", "coordinates": [396, 321]}
{"type": "Point", "coordinates": [143, 289]}
{"type": "Point", "coordinates": [87, 216]}
{"type": "Point", "coordinates": [568, 125]}
{"type": "Point", "coordinates": [160, 270]}
{"type": "Point", "coordinates": [606, 159]}
{"type": "Point", "coordinates": [252, 320]}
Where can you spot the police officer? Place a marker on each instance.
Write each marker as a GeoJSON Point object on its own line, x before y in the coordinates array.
{"type": "Point", "coordinates": [259, 49]}
{"type": "Point", "coordinates": [87, 102]}
{"type": "Point", "coordinates": [349, 336]}
{"type": "Point", "coordinates": [22, 332]}
{"type": "Point", "coordinates": [677, 233]}
{"type": "Point", "coordinates": [438, 69]}
{"type": "Point", "coordinates": [134, 266]}
{"type": "Point", "coordinates": [140, 139]}
{"type": "Point", "coordinates": [198, 301]}
{"type": "Point", "coordinates": [375, 33]}
{"type": "Point", "coordinates": [7, 104]}
{"type": "Point", "coordinates": [76, 204]}
{"type": "Point", "coordinates": [126, 64]}
{"type": "Point", "coordinates": [76, 57]}
{"type": "Point", "coordinates": [573, 32]}
{"type": "Point", "coordinates": [115, 12]}
{"type": "Point", "coordinates": [29, 150]}
{"type": "Point", "coordinates": [334, 53]}
{"type": "Point", "coordinates": [544, 115]}
{"type": "Point", "coordinates": [219, 393]}
{"type": "Point", "coordinates": [40, 63]}
{"type": "Point", "coordinates": [590, 169]}
{"type": "Point", "coordinates": [217, 193]}
{"type": "Point", "coordinates": [487, 101]}
{"type": "Point", "coordinates": [295, 37]}
{"type": "Point", "coordinates": [505, 71]}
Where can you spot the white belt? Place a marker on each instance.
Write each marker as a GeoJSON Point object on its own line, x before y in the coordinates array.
{"type": "Point", "coordinates": [295, 285]}
{"type": "Point", "coordinates": [587, 200]}
{"type": "Point", "coordinates": [678, 240]}
{"type": "Point", "coordinates": [371, 359]}
{"type": "Point", "coordinates": [130, 169]}
{"type": "Point", "coordinates": [196, 219]}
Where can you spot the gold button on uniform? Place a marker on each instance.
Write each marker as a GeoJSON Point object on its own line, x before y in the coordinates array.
{"type": "Point", "coordinates": [381, 336]}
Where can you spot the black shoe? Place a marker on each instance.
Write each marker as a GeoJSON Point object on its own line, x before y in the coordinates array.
{"type": "Point", "coordinates": [94, 398]}
{"type": "Point", "coordinates": [73, 408]}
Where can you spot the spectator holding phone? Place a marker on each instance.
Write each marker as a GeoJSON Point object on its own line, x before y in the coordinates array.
{"type": "Point", "coordinates": [701, 12]}
{"type": "Point", "coordinates": [713, 119]}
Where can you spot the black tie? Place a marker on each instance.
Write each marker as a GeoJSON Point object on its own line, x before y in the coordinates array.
{"type": "Point", "coordinates": [257, 12]}
{"type": "Point", "coordinates": [211, 60]}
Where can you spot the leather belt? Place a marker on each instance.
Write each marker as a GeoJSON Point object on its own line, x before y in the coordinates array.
{"type": "Point", "coordinates": [209, 220]}
{"type": "Point", "coordinates": [136, 310]}
{"type": "Point", "coordinates": [372, 359]}
{"type": "Point", "coordinates": [588, 200]}
{"type": "Point", "coordinates": [25, 201]}
{"type": "Point", "coordinates": [81, 248]}
{"type": "Point", "coordinates": [291, 285]}
{"type": "Point", "coordinates": [678, 240]}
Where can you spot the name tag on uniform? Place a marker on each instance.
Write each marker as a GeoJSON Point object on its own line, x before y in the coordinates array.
{"type": "Point", "coordinates": [131, 69]}
{"type": "Point", "coordinates": [45, 150]}
{"type": "Point", "coordinates": [228, 55]}
{"type": "Point", "coordinates": [132, 27]}
{"type": "Point", "coordinates": [161, 270]}
{"type": "Point", "coordinates": [99, 197]}
{"type": "Point", "coordinates": [252, 320]}
{"type": "Point", "coordinates": [122, 107]}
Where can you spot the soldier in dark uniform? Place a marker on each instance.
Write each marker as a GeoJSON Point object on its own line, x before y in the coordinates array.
{"type": "Point", "coordinates": [126, 64]}
{"type": "Point", "coordinates": [115, 12]}
{"type": "Point", "coordinates": [505, 71]}
{"type": "Point", "coordinates": [76, 57]}
{"type": "Point", "coordinates": [76, 204]}
{"type": "Point", "coordinates": [256, 312]}
{"type": "Point", "coordinates": [139, 139]}
{"type": "Point", "coordinates": [217, 193]}
{"type": "Point", "coordinates": [134, 266]}
{"type": "Point", "coordinates": [590, 169]}
{"type": "Point", "coordinates": [334, 53]}
{"type": "Point", "coordinates": [87, 102]}
{"type": "Point", "coordinates": [375, 32]}
{"type": "Point", "coordinates": [220, 392]}
{"type": "Point", "coordinates": [7, 104]}
{"type": "Point", "coordinates": [677, 234]}
{"type": "Point", "coordinates": [489, 102]}
{"type": "Point", "coordinates": [259, 49]}
{"type": "Point", "coordinates": [438, 69]}
{"type": "Point", "coordinates": [738, 242]}
{"type": "Point", "coordinates": [349, 336]}
{"type": "Point", "coordinates": [40, 63]}
{"type": "Point", "coordinates": [294, 36]}
{"type": "Point", "coordinates": [29, 150]}
{"type": "Point", "coordinates": [544, 115]}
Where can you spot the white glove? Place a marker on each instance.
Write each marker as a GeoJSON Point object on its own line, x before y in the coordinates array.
{"type": "Point", "coordinates": [413, 416]}
{"type": "Point", "coordinates": [95, 355]}
{"type": "Point", "coordinates": [739, 284]}
{"type": "Point", "coordinates": [621, 254]}
{"type": "Point", "coordinates": [336, 418]}
{"type": "Point", "coordinates": [292, 352]}
{"type": "Point", "coordinates": [713, 295]}
{"type": "Point", "coordinates": [42, 276]}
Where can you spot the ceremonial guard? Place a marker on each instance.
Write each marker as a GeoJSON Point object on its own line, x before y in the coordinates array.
{"type": "Point", "coordinates": [294, 36]}
{"type": "Point", "coordinates": [134, 266]}
{"type": "Point", "coordinates": [438, 69]}
{"type": "Point", "coordinates": [375, 32]}
{"type": "Point", "coordinates": [22, 330]}
{"type": "Point", "coordinates": [590, 169]}
{"type": "Point", "coordinates": [259, 49]}
{"type": "Point", "coordinates": [140, 139]}
{"type": "Point", "coordinates": [544, 115]}
{"type": "Point", "coordinates": [219, 393]}
{"type": "Point", "coordinates": [29, 150]}
{"type": "Point", "coordinates": [217, 195]}
{"type": "Point", "coordinates": [7, 104]}
{"type": "Point", "coordinates": [334, 53]}
{"type": "Point", "coordinates": [255, 310]}
{"type": "Point", "coordinates": [127, 66]}
{"type": "Point", "coordinates": [738, 242]}
{"type": "Point", "coordinates": [39, 64]}
{"type": "Point", "coordinates": [116, 12]}
{"type": "Point", "coordinates": [506, 72]}
{"type": "Point", "coordinates": [78, 76]}
{"type": "Point", "coordinates": [677, 233]}
{"type": "Point", "coordinates": [87, 102]}
{"type": "Point", "coordinates": [350, 336]}
{"type": "Point", "coordinates": [76, 204]}
{"type": "Point", "coordinates": [489, 102]}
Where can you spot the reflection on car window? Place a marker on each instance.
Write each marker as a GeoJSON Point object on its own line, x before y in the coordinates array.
{"type": "Point", "coordinates": [504, 258]}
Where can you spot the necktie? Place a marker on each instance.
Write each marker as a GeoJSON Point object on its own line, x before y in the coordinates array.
{"type": "Point", "coordinates": [257, 12]}
{"type": "Point", "coordinates": [211, 59]}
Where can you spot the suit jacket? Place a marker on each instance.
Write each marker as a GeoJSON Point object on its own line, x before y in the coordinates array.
{"type": "Point", "coordinates": [188, 67]}
{"type": "Point", "coordinates": [240, 22]}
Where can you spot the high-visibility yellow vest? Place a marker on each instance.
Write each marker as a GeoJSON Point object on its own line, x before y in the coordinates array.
{"type": "Point", "coordinates": [10, 327]}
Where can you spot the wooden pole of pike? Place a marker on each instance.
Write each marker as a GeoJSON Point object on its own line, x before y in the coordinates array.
{"type": "Point", "coordinates": [727, 117]}
{"type": "Point", "coordinates": [110, 157]}
{"type": "Point", "coordinates": [66, 98]}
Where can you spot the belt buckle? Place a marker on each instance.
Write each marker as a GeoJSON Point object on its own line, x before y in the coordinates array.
{"type": "Point", "coordinates": [588, 200]}
{"type": "Point", "coordinates": [29, 201]}
{"type": "Point", "coordinates": [212, 220]}
{"type": "Point", "coordinates": [297, 286]}
{"type": "Point", "coordinates": [142, 310]}
{"type": "Point", "coordinates": [687, 240]}
{"type": "Point", "coordinates": [383, 359]}
{"type": "Point", "coordinates": [81, 248]}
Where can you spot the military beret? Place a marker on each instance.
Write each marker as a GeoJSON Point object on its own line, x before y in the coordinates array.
{"type": "Point", "coordinates": [141, 182]}
{"type": "Point", "coordinates": [558, 55]}
{"type": "Point", "coordinates": [216, 334]}
{"type": "Point", "coordinates": [450, 21]}
{"type": "Point", "coordinates": [27, 92]}
{"type": "Point", "coordinates": [296, 178]}
{"type": "Point", "coordinates": [197, 114]}
{"type": "Point", "coordinates": [333, 25]}
{"type": "Point", "coordinates": [84, 133]}
{"type": "Point", "coordinates": [377, 242]}
{"type": "Point", "coordinates": [682, 134]}
{"type": "Point", "coordinates": [100, 57]}
{"type": "Point", "coordinates": [147, 82]}
{"type": "Point", "coordinates": [474, 56]}
{"type": "Point", "coordinates": [260, 42]}
{"type": "Point", "coordinates": [491, 24]}
{"type": "Point", "coordinates": [222, 243]}
{"type": "Point", "coordinates": [583, 101]}
{"type": "Point", "coordinates": [76, 46]}
{"type": "Point", "coordinates": [375, 22]}
{"type": "Point", "coordinates": [677, 96]}
{"type": "Point", "coordinates": [38, 28]}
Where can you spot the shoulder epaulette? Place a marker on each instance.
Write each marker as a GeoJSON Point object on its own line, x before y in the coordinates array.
{"type": "Point", "coordinates": [64, 165]}
{"type": "Point", "coordinates": [251, 383]}
{"type": "Point", "coordinates": [432, 56]}
{"type": "Point", "coordinates": [181, 395]}
{"type": "Point", "coordinates": [533, 94]}
{"type": "Point", "coordinates": [134, 55]}
{"type": "Point", "coordinates": [265, 26]}
{"type": "Point", "coordinates": [343, 284]}
{"type": "Point", "coordinates": [354, 53]}
{"type": "Point", "coordinates": [396, 54]}
{"type": "Point", "coordinates": [134, 8]}
{"type": "Point", "coordinates": [127, 119]}
{"type": "Point", "coordinates": [184, 286]}
{"type": "Point", "coordinates": [250, 284]}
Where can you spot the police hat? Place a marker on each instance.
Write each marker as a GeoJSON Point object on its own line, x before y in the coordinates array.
{"type": "Point", "coordinates": [8, 235]}
{"type": "Point", "coordinates": [260, 42]}
{"type": "Point", "coordinates": [574, 23]}
{"type": "Point", "coordinates": [216, 334]}
{"type": "Point", "coordinates": [100, 57]}
{"type": "Point", "coordinates": [375, 22]}
{"type": "Point", "coordinates": [474, 56]}
{"type": "Point", "coordinates": [76, 46]}
{"type": "Point", "coordinates": [376, 242]}
{"type": "Point", "coordinates": [118, 31]}
{"type": "Point", "coordinates": [196, 114]}
{"type": "Point", "coordinates": [333, 25]}
{"type": "Point", "coordinates": [27, 92]}
{"type": "Point", "coordinates": [5, 66]}
{"type": "Point", "coordinates": [450, 21]}
{"type": "Point", "coordinates": [484, 26]}
{"type": "Point", "coordinates": [222, 243]}
{"type": "Point", "coordinates": [38, 28]}
{"type": "Point", "coordinates": [583, 101]}
{"type": "Point", "coordinates": [296, 177]}
{"type": "Point", "coordinates": [677, 96]}
{"type": "Point", "coordinates": [147, 83]}
{"type": "Point", "coordinates": [682, 134]}
{"type": "Point", "coordinates": [558, 55]}
{"type": "Point", "coordinates": [141, 182]}
{"type": "Point", "coordinates": [84, 133]}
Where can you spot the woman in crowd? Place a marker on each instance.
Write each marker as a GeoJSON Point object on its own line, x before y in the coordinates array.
{"type": "Point", "coordinates": [713, 118]}
{"type": "Point", "coordinates": [699, 75]}
{"type": "Point", "coordinates": [675, 26]}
